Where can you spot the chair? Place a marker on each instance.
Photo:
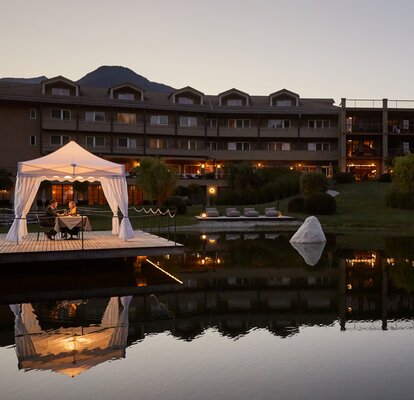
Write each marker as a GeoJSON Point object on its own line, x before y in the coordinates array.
{"type": "Point", "coordinates": [271, 212]}
{"type": "Point", "coordinates": [232, 212]}
{"type": "Point", "coordinates": [212, 212]}
{"type": "Point", "coordinates": [250, 212]}
{"type": "Point", "coordinates": [42, 222]}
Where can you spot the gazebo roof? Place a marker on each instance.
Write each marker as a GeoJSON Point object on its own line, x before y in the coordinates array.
{"type": "Point", "coordinates": [71, 162]}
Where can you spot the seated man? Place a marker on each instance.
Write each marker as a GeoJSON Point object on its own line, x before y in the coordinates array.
{"type": "Point", "coordinates": [49, 220]}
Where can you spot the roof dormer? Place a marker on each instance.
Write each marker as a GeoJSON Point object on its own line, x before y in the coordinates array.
{"type": "Point", "coordinates": [60, 86]}
{"type": "Point", "coordinates": [187, 95]}
{"type": "Point", "coordinates": [234, 98]}
{"type": "Point", "coordinates": [126, 92]}
{"type": "Point", "coordinates": [284, 98]}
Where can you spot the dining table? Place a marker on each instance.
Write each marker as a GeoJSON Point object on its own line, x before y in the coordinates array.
{"type": "Point", "coordinates": [72, 221]}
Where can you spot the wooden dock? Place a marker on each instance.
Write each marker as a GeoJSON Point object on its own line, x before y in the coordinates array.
{"type": "Point", "coordinates": [96, 244]}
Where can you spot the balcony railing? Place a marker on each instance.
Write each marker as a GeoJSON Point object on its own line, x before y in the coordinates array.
{"type": "Point", "coordinates": [370, 153]}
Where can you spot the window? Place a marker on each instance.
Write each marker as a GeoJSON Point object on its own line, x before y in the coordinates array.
{"type": "Point", "coordinates": [238, 146]}
{"type": "Point", "coordinates": [59, 140]}
{"type": "Point", "coordinates": [60, 91]}
{"type": "Point", "coordinates": [127, 118]}
{"type": "Point", "coordinates": [63, 115]}
{"type": "Point", "coordinates": [278, 146]}
{"type": "Point", "coordinates": [95, 141]}
{"type": "Point", "coordinates": [95, 116]}
{"type": "Point", "coordinates": [349, 124]}
{"type": "Point", "coordinates": [188, 121]}
{"type": "Point", "coordinates": [283, 103]}
{"type": "Point", "coordinates": [319, 124]}
{"type": "Point", "coordinates": [32, 141]}
{"type": "Point", "coordinates": [406, 147]}
{"type": "Point", "coordinates": [320, 146]}
{"type": "Point", "coordinates": [279, 123]}
{"type": "Point", "coordinates": [33, 113]}
{"type": "Point", "coordinates": [156, 143]}
{"type": "Point", "coordinates": [211, 123]}
{"type": "Point", "coordinates": [406, 125]}
{"type": "Point", "coordinates": [126, 96]}
{"type": "Point", "coordinates": [185, 100]}
{"type": "Point", "coordinates": [239, 123]}
{"type": "Point", "coordinates": [127, 143]}
{"type": "Point", "coordinates": [188, 145]}
{"type": "Point", "coordinates": [211, 146]}
{"type": "Point", "coordinates": [235, 102]}
{"type": "Point", "coordinates": [159, 119]}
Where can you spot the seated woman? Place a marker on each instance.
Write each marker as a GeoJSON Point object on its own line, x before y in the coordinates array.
{"type": "Point", "coordinates": [72, 211]}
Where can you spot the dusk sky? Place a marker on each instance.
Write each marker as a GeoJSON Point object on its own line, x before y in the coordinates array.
{"type": "Point", "coordinates": [317, 48]}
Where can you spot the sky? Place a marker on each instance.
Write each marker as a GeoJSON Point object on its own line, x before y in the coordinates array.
{"type": "Point", "coordinates": [316, 48]}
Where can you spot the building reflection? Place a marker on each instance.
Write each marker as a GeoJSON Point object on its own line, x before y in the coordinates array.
{"type": "Point", "coordinates": [231, 292]}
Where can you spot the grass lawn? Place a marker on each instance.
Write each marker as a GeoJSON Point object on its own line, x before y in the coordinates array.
{"type": "Point", "coordinates": [360, 207]}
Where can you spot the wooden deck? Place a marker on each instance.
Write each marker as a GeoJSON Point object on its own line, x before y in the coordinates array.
{"type": "Point", "coordinates": [96, 244]}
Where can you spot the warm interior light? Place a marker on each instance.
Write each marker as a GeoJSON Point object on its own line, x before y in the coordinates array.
{"type": "Point", "coordinates": [212, 190]}
{"type": "Point", "coordinates": [203, 166]}
{"type": "Point", "coordinates": [203, 215]}
{"type": "Point", "coordinates": [218, 166]}
{"type": "Point", "coordinates": [204, 237]}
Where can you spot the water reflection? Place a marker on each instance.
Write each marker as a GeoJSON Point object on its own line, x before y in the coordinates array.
{"type": "Point", "coordinates": [233, 284]}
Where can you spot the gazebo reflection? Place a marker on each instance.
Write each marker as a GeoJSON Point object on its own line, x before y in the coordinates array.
{"type": "Point", "coordinates": [71, 351]}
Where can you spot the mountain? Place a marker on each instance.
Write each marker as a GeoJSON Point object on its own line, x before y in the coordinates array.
{"type": "Point", "coordinates": [109, 76]}
{"type": "Point", "coordinates": [36, 80]}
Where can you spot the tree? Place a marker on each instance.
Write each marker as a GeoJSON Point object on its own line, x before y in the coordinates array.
{"type": "Point", "coordinates": [313, 182]}
{"type": "Point", "coordinates": [403, 173]}
{"type": "Point", "coordinates": [156, 179]}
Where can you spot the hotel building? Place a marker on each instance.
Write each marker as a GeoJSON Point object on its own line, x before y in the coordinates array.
{"type": "Point", "coordinates": [198, 134]}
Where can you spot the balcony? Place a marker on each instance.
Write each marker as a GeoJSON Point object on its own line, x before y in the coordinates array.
{"type": "Point", "coordinates": [128, 128]}
{"type": "Point", "coordinates": [364, 129]}
{"type": "Point", "coordinates": [279, 132]}
{"type": "Point", "coordinates": [238, 132]}
{"type": "Point", "coordinates": [139, 150]}
{"type": "Point", "coordinates": [368, 154]}
{"type": "Point", "coordinates": [161, 129]}
{"type": "Point", "coordinates": [97, 126]}
{"type": "Point", "coordinates": [59, 124]}
{"type": "Point", "coordinates": [319, 133]}
{"type": "Point", "coordinates": [190, 131]}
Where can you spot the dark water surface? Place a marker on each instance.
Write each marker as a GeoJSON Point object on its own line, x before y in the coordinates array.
{"type": "Point", "coordinates": [251, 320]}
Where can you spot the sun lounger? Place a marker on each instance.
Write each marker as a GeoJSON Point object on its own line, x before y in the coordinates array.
{"type": "Point", "coordinates": [271, 212]}
{"type": "Point", "coordinates": [232, 212]}
{"type": "Point", "coordinates": [212, 212]}
{"type": "Point", "coordinates": [250, 212]}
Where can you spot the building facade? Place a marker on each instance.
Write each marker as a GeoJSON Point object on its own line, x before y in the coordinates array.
{"type": "Point", "coordinates": [198, 134]}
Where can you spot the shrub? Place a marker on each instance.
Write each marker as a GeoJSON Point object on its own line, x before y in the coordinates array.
{"type": "Point", "coordinates": [343, 177]}
{"type": "Point", "coordinates": [404, 173]}
{"type": "Point", "coordinates": [177, 202]}
{"type": "Point", "coordinates": [397, 199]}
{"type": "Point", "coordinates": [296, 204]}
{"type": "Point", "coordinates": [385, 178]}
{"type": "Point", "coordinates": [313, 182]}
{"type": "Point", "coordinates": [320, 203]}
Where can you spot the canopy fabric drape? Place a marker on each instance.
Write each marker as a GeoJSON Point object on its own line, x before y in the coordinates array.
{"type": "Point", "coordinates": [70, 163]}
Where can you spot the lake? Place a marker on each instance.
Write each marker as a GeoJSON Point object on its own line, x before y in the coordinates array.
{"type": "Point", "coordinates": [240, 315]}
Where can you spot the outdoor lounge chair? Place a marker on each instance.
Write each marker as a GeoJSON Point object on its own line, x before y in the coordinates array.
{"type": "Point", "coordinates": [250, 212]}
{"type": "Point", "coordinates": [271, 212]}
{"type": "Point", "coordinates": [212, 212]}
{"type": "Point", "coordinates": [232, 212]}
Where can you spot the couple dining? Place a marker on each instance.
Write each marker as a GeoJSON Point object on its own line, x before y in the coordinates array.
{"type": "Point", "coordinates": [51, 213]}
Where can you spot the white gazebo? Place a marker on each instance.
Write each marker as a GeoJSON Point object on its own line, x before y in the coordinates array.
{"type": "Point", "coordinates": [70, 163]}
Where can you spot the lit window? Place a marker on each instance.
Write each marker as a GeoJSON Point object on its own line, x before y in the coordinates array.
{"type": "Point", "coordinates": [126, 96]}
{"type": "Point", "coordinates": [63, 115]}
{"type": "Point", "coordinates": [33, 113]}
{"type": "Point", "coordinates": [279, 123]}
{"type": "Point", "coordinates": [159, 119]}
{"type": "Point", "coordinates": [239, 123]}
{"type": "Point", "coordinates": [188, 121]}
{"type": "Point", "coordinates": [185, 100]}
{"type": "Point", "coordinates": [156, 143]}
{"type": "Point", "coordinates": [127, 118]}
{"type": "Point", "coordinates": [32, 140]}
{"type": "Point", "coordinates": [235, 102]}
{"type": "Point", "coordinates": [95, 116]}
{"type": "Point", "coordinates": [60, 91]}
{"type": "Point", "coordinates": [95, 141]}
{"type": "Point", "coordinates": [59, 140]}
